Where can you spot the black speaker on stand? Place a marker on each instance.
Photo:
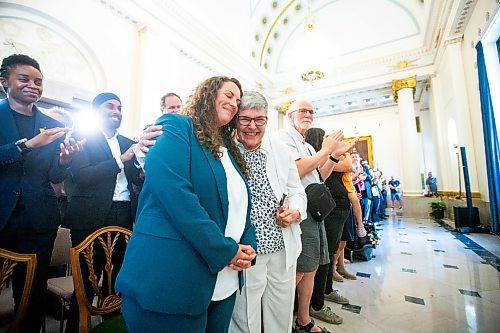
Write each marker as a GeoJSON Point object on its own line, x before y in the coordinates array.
{"type": "Point", "coordinates": [466, 218]}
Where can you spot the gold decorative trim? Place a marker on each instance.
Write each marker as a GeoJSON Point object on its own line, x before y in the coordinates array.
{"type": "Point", "coordinates": [311, 76]}
{"type": "Point", "coordinates": [455, 40]}
{"type": "Point", "coordinates": [453, 194]}
{"type": "Point", "coordinates": [402, 64]}
{"type": "Point", "coordinates": [288, 90]}
{"type": "Point", "coordinates": [271, 30]}
{"type": "Point", "coordinates": [408, 82]}
{"type": "Point", "coordinates": [284, 106]}
{"type": "Point", "coordinates": [364, 147]}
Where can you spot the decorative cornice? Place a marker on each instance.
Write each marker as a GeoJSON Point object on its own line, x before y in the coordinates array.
{"type": "Point", "coordinates": [462, 16]}
{"type": "Point", "coordinates": [120, 12]}
{"type": "Point", "coordinates": [415, 54]}
{"type": "Point", "coordinates": [198, 61]}
{"type": "Point", "coordinates": [408, 82]}
{"type": "Point", "coordinates": [453, 40]}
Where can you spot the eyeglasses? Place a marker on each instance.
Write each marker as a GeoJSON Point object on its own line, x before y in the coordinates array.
{"type": "Point", "coordinates": [259, 121]}
{"type": "Point", "coordinates": [304, 111]}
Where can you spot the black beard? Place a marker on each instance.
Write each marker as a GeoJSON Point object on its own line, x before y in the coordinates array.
{"type": "Point", "coordinates": [111, 124]}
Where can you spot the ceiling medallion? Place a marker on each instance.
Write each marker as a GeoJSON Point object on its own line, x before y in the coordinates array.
{"type": "Point", "coordinates": [311, 76]}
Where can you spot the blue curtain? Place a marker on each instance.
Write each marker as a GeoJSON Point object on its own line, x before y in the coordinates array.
{"type": "Point", "coordinates": [491, 144]}
{"type": "Point", "coordinates": [498, 48]}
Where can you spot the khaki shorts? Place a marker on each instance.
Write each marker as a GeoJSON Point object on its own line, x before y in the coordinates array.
{"type": "Point", "coordinates": [314, 246]}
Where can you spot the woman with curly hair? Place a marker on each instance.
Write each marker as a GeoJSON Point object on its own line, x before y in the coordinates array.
{"type": "Point", "coordinates": [193, 235]}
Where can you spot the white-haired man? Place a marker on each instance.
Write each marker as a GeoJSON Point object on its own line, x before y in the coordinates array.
{"type": "Point", "coordinates": [309, 165]}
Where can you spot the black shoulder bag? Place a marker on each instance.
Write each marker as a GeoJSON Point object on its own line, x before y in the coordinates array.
{"type": "Point", "coordinates": [319, 199]}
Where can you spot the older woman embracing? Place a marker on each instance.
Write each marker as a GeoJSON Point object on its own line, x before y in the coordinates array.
{"type": "Point", "coordinates": [278, 205]}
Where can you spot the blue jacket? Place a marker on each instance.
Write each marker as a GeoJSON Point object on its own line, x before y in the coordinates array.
{"type": "Point", "coordinates": [29, 175]}
{"type": "Point", "coordinates": [178, 244]}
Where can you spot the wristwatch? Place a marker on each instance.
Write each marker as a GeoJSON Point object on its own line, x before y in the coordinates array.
{"type": "Point", "coordinates": [333, 159]}
{"type": "Point", "coordinates": [21, 146]}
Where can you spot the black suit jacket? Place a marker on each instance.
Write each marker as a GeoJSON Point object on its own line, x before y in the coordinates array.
{"type": "Point", "coordinates": [29, 175]}
{"type": "Point", "coordinates": [94, 174]}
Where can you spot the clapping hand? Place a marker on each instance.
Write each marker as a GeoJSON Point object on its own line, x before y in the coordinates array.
{"type": "Point", "coordinates": [335, 146]}
{"type": "Point", "coordinates": [46, 136]}
{"type": "Point", "coordinates": [69, 148]}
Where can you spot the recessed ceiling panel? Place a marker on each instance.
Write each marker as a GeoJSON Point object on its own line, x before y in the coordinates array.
{"type": "Point", "coordinates": [340, 29]}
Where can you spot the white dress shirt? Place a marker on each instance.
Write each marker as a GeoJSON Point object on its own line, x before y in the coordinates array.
{"type": "Point", "coordinates": [227, 279]}
{"type": "Point", "coordinates": [121, 191]}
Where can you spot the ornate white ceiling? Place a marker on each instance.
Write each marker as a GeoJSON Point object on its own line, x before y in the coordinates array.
{"type": "Point", "coordinates": [359, 45]}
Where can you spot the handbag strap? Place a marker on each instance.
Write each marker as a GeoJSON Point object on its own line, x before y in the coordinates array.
{"type": "Point", "coordinates": [310, 154]}
{"type": "Point", "coordinates": [317, 168]}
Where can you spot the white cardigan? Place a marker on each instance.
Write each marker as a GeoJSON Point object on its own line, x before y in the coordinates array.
{"type": "Point", "coordinates": [284, 178]}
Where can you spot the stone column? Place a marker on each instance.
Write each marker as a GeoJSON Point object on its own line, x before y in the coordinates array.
{"type": "Point", "coordinates": [403, 91]}
{"type": "Point", "coordinates": [282, 108]}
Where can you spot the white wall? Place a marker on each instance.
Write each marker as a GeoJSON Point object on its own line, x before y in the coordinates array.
{"type": "Point", "coordinates": [428, 162]}
{"type": "Point", "coordinates": [83, 31]}
{"type": "Point", "coordinates": [453, 116]}
{"type": "Point", "coordinates": [474, 30]}
{"type": "Point", "coordinates": [164, 69]}
{"type": "Point", "coordinates": [382, 124]}
{"type": "Point", "coordinates": [139, 61]}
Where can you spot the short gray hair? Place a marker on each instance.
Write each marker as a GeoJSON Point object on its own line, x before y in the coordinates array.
{"type": "Point", "coordinates": [62, 116]}
{"type": "Point", "coordinates": [253, 100]}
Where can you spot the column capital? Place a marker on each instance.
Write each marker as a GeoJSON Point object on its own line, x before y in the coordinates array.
{"type": "Point", "coordinates": [284, 106]}
{"type": "Point", "coordinates": [408, 82]}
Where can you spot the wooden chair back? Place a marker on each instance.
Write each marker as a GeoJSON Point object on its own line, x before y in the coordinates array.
{"type": "Point", "coordinates": [61, 286]}
{"type": "Point", "coordinates": [62, 245]}
{"type": "Point", "coordinates": [9, 261]}
{"type": "Point", "coordinates": [106, 300]}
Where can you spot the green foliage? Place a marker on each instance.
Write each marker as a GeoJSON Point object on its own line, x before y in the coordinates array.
{"type": "Point", "coordinates": [438, 205]}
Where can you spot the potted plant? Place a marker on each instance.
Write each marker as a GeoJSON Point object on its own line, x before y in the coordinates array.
{"type": "Point", "coordinates": [438, 208]}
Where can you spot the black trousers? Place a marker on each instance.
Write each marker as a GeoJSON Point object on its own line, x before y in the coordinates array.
{"type": "Point", "coordinates": [120, 214]}
{"type": "Point", "coordinates": [323, 280]}
{"type": "Point", "coordinates": [19, 236]}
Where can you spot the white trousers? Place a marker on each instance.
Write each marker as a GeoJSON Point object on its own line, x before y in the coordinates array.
{"type": "Point", "coordinates": [266, 298]}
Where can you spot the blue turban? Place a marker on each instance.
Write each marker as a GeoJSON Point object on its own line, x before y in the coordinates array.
{"type": "Point", "coordinates": [103, 97]}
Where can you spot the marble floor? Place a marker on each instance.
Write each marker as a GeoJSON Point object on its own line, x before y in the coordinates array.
{"type": "Point", "coordinates": [423, 278]}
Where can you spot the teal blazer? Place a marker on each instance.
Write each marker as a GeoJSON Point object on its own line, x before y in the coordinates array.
{"type": "Point", "coordinates": [178, 244]}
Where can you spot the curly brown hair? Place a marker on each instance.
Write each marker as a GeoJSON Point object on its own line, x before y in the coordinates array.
{"type": "Point", "coordinates": [200, 107]}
